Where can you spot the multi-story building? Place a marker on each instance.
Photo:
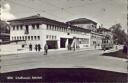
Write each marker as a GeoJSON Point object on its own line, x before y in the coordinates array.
{"type": "Point", "coordinates": [105, 32]}
{"type": "Point", "coordinates": [95, 38]}
{"type": "Point", "coordinates": [84, 23]}
{"type": "Point", "coordinates": [40, 30]}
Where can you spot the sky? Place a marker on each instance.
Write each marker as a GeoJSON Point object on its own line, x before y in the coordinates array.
{"type": "Point", "coordinates": [106, 12]}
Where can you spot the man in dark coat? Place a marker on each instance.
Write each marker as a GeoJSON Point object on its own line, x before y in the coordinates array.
{"type": "Point", "coordinates": [45, 49]}
{"type": "Point", "coordinates": [36, 47]}
{"type": "Point", "coordinates": [39, 47]}
{"type": "Point", "coordinates": [30, 47]}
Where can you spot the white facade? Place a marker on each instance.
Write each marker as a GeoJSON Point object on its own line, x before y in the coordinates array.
{"type": "Point", "coordinates": [59, 36]}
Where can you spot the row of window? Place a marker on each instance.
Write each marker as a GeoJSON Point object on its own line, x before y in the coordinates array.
{"type": "Point", "coordinates": [49, 27]}
{"type": "Point", "coordinates": [62, 29]}
{"type": "Point", "coordinates": [20, 27]}
{"type": "Point", "coordinates": [26, 38]}
{"type": "Point", "coordinates": [51, 37]}
{"type": "Point", "coordinates": [56, 28]}
{"type": "Point", "coordinates": [84, 41]}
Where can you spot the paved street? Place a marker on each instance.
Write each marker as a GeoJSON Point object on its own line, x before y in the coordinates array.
{"type": "Point", "coordinates": [63, 59]}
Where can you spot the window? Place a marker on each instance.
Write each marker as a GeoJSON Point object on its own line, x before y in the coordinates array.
{"type": "Point", "coordinates": [84, 41]}
{"type": "Point", "coordinates": [38, 37]}
{"type": "Point", "coordinates": [17, 27]}
{"type": "Point", "coordinates": [21, 27]}
{"type": "Point", "coordinates": [38, 26]}
{"type": "Point", "coordinates": [31, 37]}
{"type": "Point", "coordinates": [13, 27]}
{"type": "Point", "coordinates": [28, 37]}
{"type": "Point", "coordinates": [33, 26]}
{"type": "Point", "coordinates": [20, 37]}
{"type": "Point", "coordinates": [35, 37]}
{"type": "Point", "coordinates": [46, 36]}
{"type": "Point", "coordinates": [14, 38]}
{"type": "Point", "coordinates": [25, 37]}
{"type": "Point", "coordinates": [55, 37]}
{"type": "Point", "coordinates": [47, 26]}
{"type": "Point", "coordinates": [27, 29]}
{"type": "Point", "coordinates": [52, 37]}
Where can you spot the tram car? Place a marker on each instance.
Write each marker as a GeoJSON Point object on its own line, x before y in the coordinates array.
{"type": "Point", "coordinates": [107, 43]}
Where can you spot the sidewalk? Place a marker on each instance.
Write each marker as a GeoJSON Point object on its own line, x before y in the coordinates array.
{"type": "Point", "coordinates": [50, 51]}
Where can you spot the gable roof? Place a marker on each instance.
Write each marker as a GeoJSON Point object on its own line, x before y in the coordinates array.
{"type": "Point", "coordinates": [81, 21]}
{"type": "Point", "coordinates": [39, 19]}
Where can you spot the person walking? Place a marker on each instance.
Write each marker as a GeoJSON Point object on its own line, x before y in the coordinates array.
{"type": "Point", "coordinates": [36, 47]}
{"type": "Point", "coordinates": [45, 49]}
{"type": "Point", "coordinates": [30, 47]}
{"type": "Point", "coordinates": [39, 47]}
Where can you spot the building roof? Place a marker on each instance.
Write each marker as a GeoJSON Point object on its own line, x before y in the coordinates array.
{"type": "Point", "coordinates": [81, 21]}
{"type": "Point", "coordinates": [39, 19]}
{"type": "Point", "coordinates": [36, 19]}
{"type": "Point", "coordinates": [80, 29]}
{"type": "Point", "coordinates": [103, 29]}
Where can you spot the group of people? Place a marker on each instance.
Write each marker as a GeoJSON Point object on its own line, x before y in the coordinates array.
{"type": "Point", "coordinates": [38, 48]}
{"type": "Point", "coordinates": [125, 48]}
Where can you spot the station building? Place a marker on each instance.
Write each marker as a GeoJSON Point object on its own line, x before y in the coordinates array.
{"type": "Point", "coordinates": [40, 30]}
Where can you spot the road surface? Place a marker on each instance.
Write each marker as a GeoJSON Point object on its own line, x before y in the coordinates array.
{"type": "Point", "coordinates": [63, 59]}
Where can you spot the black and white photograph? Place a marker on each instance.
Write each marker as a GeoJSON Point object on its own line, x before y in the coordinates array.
{"type": "Point", "coordinates": [64, 41]}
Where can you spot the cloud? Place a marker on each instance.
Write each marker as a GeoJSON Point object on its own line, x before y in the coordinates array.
{"type": "Point", "coordinates": [5, 12]}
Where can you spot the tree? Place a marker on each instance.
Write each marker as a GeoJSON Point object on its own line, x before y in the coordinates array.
{"type": "Point", "coordinates": [119, 35]}
{"type": "Point", "coordinates": [4, 27]}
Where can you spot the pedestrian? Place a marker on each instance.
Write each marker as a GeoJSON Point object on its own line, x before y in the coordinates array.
{"type": "Point", "coordinates": [36, 47]}
{"type": "Point", "coordinates": [30, 47]}
{"type": "Point", "coordinates": [45, 49]}
{"type": "Point", "coordinates": [39, 47]}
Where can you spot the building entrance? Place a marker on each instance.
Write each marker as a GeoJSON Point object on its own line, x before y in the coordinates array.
{"type": "Point", "coordinates": [70, 41]}
{"type": "Point", "coordinates": [52, 44]}
{"type": "Point", "coordinates": [63, 42]}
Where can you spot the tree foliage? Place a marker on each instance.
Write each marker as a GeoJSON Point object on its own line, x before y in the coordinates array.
{"type": "Point", "coordinates": [4, 27]}
{"type": "Point", "coordinates": [119, 35]}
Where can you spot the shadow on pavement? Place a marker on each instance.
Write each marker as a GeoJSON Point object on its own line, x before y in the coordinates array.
{"type": "Point", "coordinates": [118, 54]}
